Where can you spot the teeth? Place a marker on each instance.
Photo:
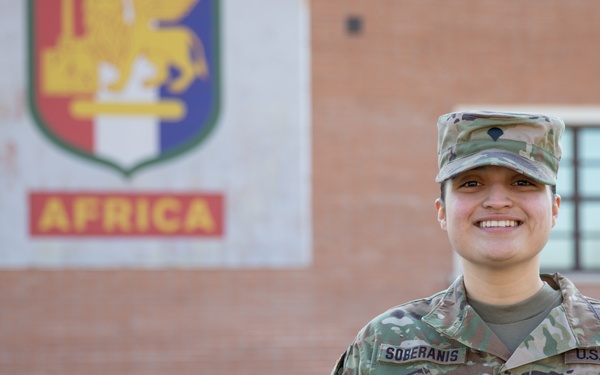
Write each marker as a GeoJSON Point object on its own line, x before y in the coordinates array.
{"type": "Point", "coordinates": [497, 223]}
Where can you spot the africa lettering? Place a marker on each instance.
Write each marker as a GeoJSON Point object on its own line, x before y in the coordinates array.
{"type": "Point", "coordinates": [395, 354]}
{"type": "Point", "coordinates": [105, 214]}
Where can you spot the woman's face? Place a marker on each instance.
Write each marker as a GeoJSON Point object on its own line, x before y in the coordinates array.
{"type": "Point", "coordinates": [497, 217]}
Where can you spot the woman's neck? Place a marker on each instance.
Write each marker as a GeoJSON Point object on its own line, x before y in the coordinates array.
{"type": "Point", "coordinates": [501, 287]}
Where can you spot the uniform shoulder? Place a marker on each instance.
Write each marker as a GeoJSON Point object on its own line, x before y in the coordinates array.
{"type": "Point", "coordinates": [570, 290]}
{"type": "Point", "coordinates": [409, 313]}
{"type": "Point", "coordinates": [398, 324]}
{"type": "Point", "coordinates": [594, 302]}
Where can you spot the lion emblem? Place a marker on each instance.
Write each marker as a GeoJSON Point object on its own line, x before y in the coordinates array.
{"type": "Point", "coordinates": [118, 32]}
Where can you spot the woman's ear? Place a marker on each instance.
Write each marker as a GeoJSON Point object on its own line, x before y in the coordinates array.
{"type": "Point", "coordinates": [441, 213]}
{"type": "Point", "coordinates": [555, 207]}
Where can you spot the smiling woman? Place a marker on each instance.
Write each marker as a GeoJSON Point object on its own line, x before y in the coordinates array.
{"type": "Point", "coordinates": [498, 204]}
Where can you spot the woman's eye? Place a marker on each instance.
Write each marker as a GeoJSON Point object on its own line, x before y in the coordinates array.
{"type": "Point", "coordinates": [524, 183]}
{"type": "Point", "coordinates": [471, 184]}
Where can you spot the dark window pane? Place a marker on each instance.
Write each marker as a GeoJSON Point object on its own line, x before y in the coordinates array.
{"type": "Point", "coordinates": [566, 181]}
{"type": "Point", "coordinates": [590, 212]}
{"type": "Point", "coordinates": [590, 181]}
{"type": "Point", "coordinates": [558, 253]}
{"type": "Point", "coordinates": [590, 252]}
{"type": "Point", "coordinates": [589, 144]}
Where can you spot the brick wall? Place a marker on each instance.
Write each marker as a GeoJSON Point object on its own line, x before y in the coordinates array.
{"type": "Point", "coordinates": [376, 97]}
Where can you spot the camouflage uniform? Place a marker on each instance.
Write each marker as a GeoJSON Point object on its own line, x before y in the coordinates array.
{"type": "Point", "coordinates": [442, 334]}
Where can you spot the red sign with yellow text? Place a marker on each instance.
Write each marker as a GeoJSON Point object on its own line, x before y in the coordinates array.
{"type": "Point", "coordinates": [83, 214]}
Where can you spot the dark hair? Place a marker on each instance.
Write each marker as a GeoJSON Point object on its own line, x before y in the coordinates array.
{"type": "Point", "coordinates": [443, 190]}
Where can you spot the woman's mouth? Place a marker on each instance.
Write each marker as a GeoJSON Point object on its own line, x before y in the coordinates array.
{"type": "Point", "coordinates": [498, 223]}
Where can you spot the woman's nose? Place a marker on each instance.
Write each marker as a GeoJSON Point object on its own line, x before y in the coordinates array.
{"type": "Point", "coordinates": [498, 197]}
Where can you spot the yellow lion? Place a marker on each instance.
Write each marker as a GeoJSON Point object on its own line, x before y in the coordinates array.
{"type": "Point", "coordinates": [164, 47]}
{"type": "Point", "coordinates": [116, 36]}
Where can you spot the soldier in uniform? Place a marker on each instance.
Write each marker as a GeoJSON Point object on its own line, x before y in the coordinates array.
{"type": "Point", "coordinates": [498, 203]}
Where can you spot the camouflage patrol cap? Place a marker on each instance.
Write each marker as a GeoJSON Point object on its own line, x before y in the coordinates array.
{"type": "Point", "coordinates": [527, 143]}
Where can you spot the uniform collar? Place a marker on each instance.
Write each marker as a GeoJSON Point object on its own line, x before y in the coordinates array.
{"type": "Point", "coordinates": [455, 318]}
{"type": "Point", "coordinates": [578, 321]}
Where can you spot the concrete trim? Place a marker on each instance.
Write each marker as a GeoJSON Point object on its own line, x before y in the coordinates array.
{"type": "Point", "coordinates": [573, 115]}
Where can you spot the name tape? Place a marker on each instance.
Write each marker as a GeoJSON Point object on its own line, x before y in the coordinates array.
{"type": "Point", "coordinates": [395, 354]}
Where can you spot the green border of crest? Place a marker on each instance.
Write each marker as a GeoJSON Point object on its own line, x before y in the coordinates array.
{"type": "Point", "coordinates": [211, 122]}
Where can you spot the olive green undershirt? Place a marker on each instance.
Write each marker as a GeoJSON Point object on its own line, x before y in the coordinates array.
{"type": "Point", "coordinates": [513, 323]}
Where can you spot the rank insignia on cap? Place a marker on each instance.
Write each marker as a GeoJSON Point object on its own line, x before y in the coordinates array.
{"type": "Point", "coordinates": [495, 133]}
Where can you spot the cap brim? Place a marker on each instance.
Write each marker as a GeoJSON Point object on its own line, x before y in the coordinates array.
{"type": "Point", "coordinates": [531, 168]}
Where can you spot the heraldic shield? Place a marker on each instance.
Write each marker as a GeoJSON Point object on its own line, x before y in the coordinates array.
{"type": "Point", "coordinates": [126, 83]}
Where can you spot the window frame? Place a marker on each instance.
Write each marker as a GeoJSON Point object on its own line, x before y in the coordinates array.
{"type": "Point", "coordinates": [578, 198]}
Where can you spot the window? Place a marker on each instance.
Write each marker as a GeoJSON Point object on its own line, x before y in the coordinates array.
{"type": "Point", "coordinates": [574, 244]}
